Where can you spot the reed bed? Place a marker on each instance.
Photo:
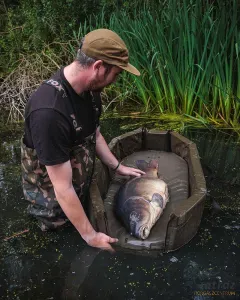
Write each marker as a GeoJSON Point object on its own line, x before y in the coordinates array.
{"type": "Point", "coordinates": [188, 53]}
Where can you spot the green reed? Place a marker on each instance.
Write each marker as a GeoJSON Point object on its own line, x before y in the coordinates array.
{"type": "Point", "coordinates": [188, 55]}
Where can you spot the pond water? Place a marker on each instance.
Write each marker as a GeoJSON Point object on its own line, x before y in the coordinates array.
{"type": "Point", "coordinates": [59, 264]}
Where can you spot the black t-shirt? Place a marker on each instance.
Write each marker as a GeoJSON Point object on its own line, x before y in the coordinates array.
{"type": "Point", "coordinates": [49, 126]}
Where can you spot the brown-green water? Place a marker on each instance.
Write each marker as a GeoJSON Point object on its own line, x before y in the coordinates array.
{"type": "Point", "coordinates": [59, 265]}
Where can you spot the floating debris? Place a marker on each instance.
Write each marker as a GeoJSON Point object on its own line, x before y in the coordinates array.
{"type": "Point", "coordinates": [227, 227]}
{"type": "Point", "coordinates": [16, 234]}
{"type": "Point", "coordinates": [173, 259]}
{"type": "Point", "coordinates": [232, 227]}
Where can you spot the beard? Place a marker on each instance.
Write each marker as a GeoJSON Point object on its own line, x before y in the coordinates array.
{"type": "Point", "coordinates": [94, 86]}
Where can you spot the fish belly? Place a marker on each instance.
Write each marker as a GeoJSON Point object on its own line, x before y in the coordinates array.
{"type": "Point", "coordinates": [138, 194]}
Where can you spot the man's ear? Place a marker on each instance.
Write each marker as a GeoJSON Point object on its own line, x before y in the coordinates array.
{"type": "Point", "coordinates": [97, 65]}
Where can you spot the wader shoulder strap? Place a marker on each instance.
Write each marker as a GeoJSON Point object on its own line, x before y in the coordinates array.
{"type": "Point", "coordinates": [59, 87]}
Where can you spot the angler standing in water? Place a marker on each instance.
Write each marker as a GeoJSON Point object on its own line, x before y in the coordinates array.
{"type": "Point", "coordinates": [62, 136]}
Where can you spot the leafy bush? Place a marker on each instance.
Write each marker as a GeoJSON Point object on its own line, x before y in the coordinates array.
{"type": "Point", "coordinates": [187, 51]}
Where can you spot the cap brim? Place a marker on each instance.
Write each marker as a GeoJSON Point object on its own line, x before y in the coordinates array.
{"type": "Point", "coordinates": [131, 69]}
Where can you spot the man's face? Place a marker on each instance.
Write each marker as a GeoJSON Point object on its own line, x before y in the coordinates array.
{"type": "Point", "coordinates": [104, 77]}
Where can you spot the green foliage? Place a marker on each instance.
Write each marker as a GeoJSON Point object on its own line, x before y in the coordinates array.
{"type": "Point", "coordinates": [188, 57]}
{"type": "Point", "coordinates": [187, 51]}
{"type": "Point", "coordinates": [28, 25]}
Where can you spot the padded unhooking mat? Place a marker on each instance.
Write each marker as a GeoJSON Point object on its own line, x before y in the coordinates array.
{"type": "Point", "coordinates": [174, 170]}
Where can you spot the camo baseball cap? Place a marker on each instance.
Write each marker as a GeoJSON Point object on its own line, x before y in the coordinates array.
{"type": "Point", "coordinates": [107, 46]}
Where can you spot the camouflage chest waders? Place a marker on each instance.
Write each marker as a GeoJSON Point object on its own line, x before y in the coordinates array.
{"type": "Point", "coordinates": [37, 186]}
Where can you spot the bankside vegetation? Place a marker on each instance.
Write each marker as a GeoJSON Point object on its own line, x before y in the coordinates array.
{"type": "Point", "coordinates": [187, 52]}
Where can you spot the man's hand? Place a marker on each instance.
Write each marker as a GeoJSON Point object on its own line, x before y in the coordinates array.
{"type": "Point", "coordinates": [123, 170]}
{"type": "Point", "coordinates": [100, 240]}
{"type": "Point", "coordinates": [110, 160]}
{"type": "Point", "coordinates": [61, 177]}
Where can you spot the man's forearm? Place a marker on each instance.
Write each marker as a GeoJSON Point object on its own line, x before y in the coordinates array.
{"type": "Point", "coordinates": [73, 209]}
{"type": "Point", "coordinates": [104, 153]}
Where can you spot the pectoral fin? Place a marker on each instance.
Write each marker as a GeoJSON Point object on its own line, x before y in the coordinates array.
{"type": "Point", "coordinates": [142, 165]}
{"type": "Point", "coordinates": [158, 199]}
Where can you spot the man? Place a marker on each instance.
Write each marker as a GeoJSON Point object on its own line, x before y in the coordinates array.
{"type": "Point", "coordinates": [62, 136]}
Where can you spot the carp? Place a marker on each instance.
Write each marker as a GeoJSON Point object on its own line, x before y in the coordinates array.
{"type": "Point", "coordinates": [141, 200]}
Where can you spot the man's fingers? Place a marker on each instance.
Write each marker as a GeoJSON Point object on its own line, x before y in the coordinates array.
{"type": "Point", "coordinates": [135, 174]}
{"type": "Point", "coordinates": [132, 171]}
{"type": "Point", "coordinates": [139, 171]}
{"type": "Point", "coordinates": [109, 248]}
{"type": "Point", "coordinates": [112, 240]}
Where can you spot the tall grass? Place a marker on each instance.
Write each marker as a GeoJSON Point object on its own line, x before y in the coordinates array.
{"type": "Point", "coordinates": [188, 53]}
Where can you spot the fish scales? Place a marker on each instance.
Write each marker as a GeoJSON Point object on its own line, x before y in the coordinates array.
{"type": "Point", "coordinates": [141, 201]}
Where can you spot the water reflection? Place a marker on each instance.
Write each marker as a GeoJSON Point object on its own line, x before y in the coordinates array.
{"type": "Point", "coordinates": [78, 272]}
{"type": "Point", "coordinates": [17, 270]}
{"type": "Point", "coordinates": [219, 152]}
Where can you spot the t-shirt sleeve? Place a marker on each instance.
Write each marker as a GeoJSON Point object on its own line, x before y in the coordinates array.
{"type": "Point", "coordinates": [51, 136]}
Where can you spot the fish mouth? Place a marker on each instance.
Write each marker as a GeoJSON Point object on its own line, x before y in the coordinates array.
{"type": "Point", "coordinates": [144, 232]}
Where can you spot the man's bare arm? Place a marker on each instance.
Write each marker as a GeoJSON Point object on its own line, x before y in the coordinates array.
{"type": "Point", "coordinates": [61, 178]}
